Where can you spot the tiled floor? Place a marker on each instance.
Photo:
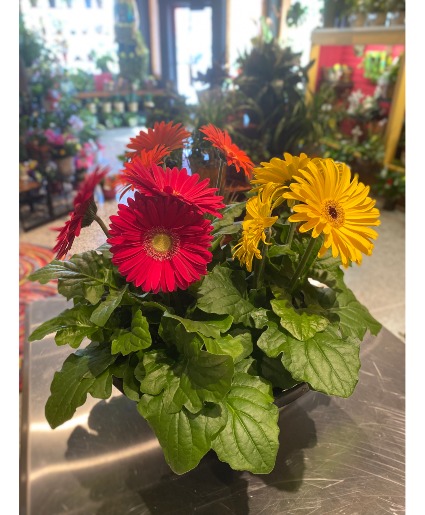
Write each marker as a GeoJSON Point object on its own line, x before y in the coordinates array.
{"type": "Point", "coordinates": [379, 283]}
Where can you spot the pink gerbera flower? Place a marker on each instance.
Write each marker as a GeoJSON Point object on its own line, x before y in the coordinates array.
{"type": "Point", "coordinates": [160, 243]}
{"type": "Point", "coordinates": [78, 219]}
{"type": "Point", "coordinates": [154, 180]}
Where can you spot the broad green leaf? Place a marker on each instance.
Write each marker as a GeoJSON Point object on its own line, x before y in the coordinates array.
{"type": "Point", "coordinates": [230, 212]}
{"type": "Point", "coordinates": [260, 317]}
{"type": "Point", "coordinates": [102, 386]}
{"type": "Point", "coordinates": [82, 372]}
{"type": "Point", "coordinates": [327, 362]}
{"type": "Point", "coordinates": [229, 229]}
{"type": "Point", "coordinates": [273, 370]}
{"type": "Point", "coordinates": [138, 338]}
{"type": "Point", "coordinates": [280, 250]}
{"type": "Point", "coordinates": [71, 326]}
{"type": "Point", "coordinates": [219, 294]}
{"type": "Point", "coordinates": [248, 365]}
{"type": "Point", "coordinates": [211, 328]}
{"type": "Point", "coordinates": [301, 325]}
{"type": "Point", "coordinates": [198, 377]}
{"type": "Point", "coordinates": [157, 372]}
{"type": "Point", "coordinates": [239, 346]}
{"type": "Point", "coordinates": [184, 437]}
{"type": "Point", "coordinates": [84, 275]}
{"type": "Point", "coordinates": [354, 318]}
{"type": "Point", "coordinates": [131, 385]}
{"type": "Point", "coordinates": [249, 441]}
{"type": "Point", "coordinates": [102, 313]}
{"type": "Point", "coordinates": [272, 340]}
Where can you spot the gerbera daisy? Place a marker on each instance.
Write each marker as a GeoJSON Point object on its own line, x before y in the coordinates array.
{"type": "Point", "coordinates": [154, 180]}
{"type": "Point", "coordinates": [258, 218]}
{"type": "Point", "coordinates": [279, 172]}
{"type": "Point", "coordinates": [167, 134]}
{"type": "Point", "coordinates": [160, 243]}
{"type": "Point", "coordinates": [146, 158]}
{"type": "Point", "coordinates": [339, 207]}
{"type": "Point", "coordinates": [82, 215]}
{"type": "Point", "coordinates": [232, 153]}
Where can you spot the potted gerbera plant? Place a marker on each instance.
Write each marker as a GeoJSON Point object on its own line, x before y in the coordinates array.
{"type": "Point", "coordinates": [202, 312]}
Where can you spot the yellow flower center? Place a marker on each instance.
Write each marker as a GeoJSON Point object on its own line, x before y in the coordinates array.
{"type": "Point", "coordinates": [161, 242]}
{"type": "Point", "coordinates": [333, 212]}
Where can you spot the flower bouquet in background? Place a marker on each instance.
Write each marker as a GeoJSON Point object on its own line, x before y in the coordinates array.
{"type": "Point", "coordinates": [62, 144]}
{"type": "Point", "coordinates": [202, 312]}
{"type": "Point", "coordinates": [110, 186]}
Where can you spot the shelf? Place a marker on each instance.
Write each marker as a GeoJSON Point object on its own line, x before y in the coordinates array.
{"type": "Point", "coordinates": [107, 94]}
{"type": "Point", "coordinates": [359, 36]}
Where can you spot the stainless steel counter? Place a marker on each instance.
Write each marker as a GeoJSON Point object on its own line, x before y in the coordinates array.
{"type": "Point", "coordinates": [336, 456]}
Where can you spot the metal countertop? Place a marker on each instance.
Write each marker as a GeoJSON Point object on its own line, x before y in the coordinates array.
{"type": "Point", "coordinates": [336, 456]}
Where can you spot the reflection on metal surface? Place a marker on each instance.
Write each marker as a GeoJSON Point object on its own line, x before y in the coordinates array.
{"type": "Point", "coordinates": [335, 455]}
{"type": "Point", "coordinates": [101, 460]}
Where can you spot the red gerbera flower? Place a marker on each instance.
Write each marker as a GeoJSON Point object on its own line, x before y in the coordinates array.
{"type": "Point", "coordinates": [146, 158]}
{"type": "Point", "coordinates": [167, 134]}
{"type": "Point", "coordinates": [82, 202]}
{"type": "Point", "coordinates": [233, 154]}
{"type": "Point", "coordinates": [160, 243]}
{"type": "Point", "coordinates": [154, 180]}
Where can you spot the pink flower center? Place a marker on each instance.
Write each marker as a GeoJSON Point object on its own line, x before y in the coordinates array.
{"type": "Point", "coordinates": [161, 244]}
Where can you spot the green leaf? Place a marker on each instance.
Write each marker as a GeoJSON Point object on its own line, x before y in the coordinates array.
{"type": "Point", "coordinates": [354, 318]}
{"type": "Point", "coordinates": [218, 294]}
{"type": "Point", "coordinates": [260, 317]}
{"type": "Point", "coordinates": [138, 338]}
{"type": "Point", "coordinates": [71, 326]}
{"type": "Point", "coordinates": [249, 441]}
{"type": "Point", "coordinates": [211, 327]}
{"type": "Point", "coordinates": [273, 370]}
{"type": "Point", "coordinates": [102, 387]}
{"type": "Point", "coordinates": [198, 377]}
{"type": "Point", "coordinates": [84, 275]}
{"type": "Point", "coordinates": [239, 346]}
{"type": "Point", "coordinates": [229, 229]}
{"type": "Point", "coordinates": [157, 372]}
{"type": "Point", "coordinates": [280, 250]}
{"type": "Point", "coordinates": [229, 213]}
{"type": "Point", "coordinates": [82, 373]}
{"type": "Point", "coordinates": [131, 385]}
{"type": "Point", "coordinates": [272, 340]}
{"type": "Point", "coordinates": [184, 437]}
{"type": "Point", "coordinates": [105, 309]}
{"type": "Point", "coordinates": [327, 362]}
{"type": "Point", "coordinates": [302, 326]}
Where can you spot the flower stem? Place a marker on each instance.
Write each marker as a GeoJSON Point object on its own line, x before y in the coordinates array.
{"type": "Point", "coordinates": [290, 234]}
{"type": "Point", "coordinates": [302, 264]}
{"type": "Point", "coordinates": [260, 264]}
{"type": "Point", "coordinates": [219, 177]}
{"type": "Point", "coordinates": [102, 225]}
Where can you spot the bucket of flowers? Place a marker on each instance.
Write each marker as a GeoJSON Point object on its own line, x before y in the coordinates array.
{"type": "Point", "coordinates": [205, 314]}
{"type": "Point", "coordinates": [63, 148]}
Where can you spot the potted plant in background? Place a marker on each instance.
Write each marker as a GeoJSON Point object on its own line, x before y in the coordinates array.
{"type": "Point", "coordinates": [357, 11]}
{"type": "Point", "coordinates": [201, 317]}
{"type": "Point", "coordinates": [391, 187]}
{"type": "Point", "coordinates": [376, 12]}
{"type": "Point", "coordinates": [397, 12]}
{"type": "Point", "coordinates": [63, 148]}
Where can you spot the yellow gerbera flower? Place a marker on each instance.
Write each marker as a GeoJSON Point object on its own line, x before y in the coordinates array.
{"type": "Point", "coordinates": [279, 172]}
{"type": "Point", "coordinates": [258, 218]}
{"type": "Point", "coordinates": [339, 207]}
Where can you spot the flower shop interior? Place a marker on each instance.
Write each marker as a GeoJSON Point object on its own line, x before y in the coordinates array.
{"type": "Point", "coordinates": [103, 81]}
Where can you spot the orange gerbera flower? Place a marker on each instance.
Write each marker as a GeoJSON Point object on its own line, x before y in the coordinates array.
{"type": "Point", "coordinates": [233, 154]}
{"type": "Point", "coordinates": [167, 134]}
